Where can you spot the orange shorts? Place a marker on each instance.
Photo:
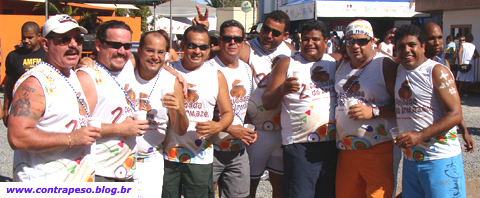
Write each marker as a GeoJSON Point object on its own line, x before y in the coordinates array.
{"type": "Point", "coordinates": [366, 173]}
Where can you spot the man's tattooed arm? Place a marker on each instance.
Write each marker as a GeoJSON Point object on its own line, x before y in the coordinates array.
{"type": "Point", "coordinates": [22, 106]}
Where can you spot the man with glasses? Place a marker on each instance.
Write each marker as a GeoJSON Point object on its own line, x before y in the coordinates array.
{"type": "Point", "coordinates": [231, 166]}
{"type": "Point", "coordinates": [159, 94]}
{"type": "Point", "coordinates": [262, 54]}
{"type": "Point", "coordinates": [433, 165]}
{"type": "Point", "coordinates": [304, 87]}
{"type": "Point", "coordinates": [110, 97]}
{"type": "Point", "coordinates": [21, 60]}
{"type": "Point", "coordinates": [47, 125]}
{"type": "Point", "coordinates": [189, 158]}
{"type": "Point", "coordinates": [365, 114]}
{"type": "Point", "coordinates": [387, 45]}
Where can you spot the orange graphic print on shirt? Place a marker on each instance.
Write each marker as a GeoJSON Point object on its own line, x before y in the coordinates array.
{"type": "Point", "coordinates": [192, 95]}
{"type": "Point", "coordinates": [320, 76]}
{"type": "Point", "coordinates": [351, 82]}
{"type": "Point", "coordinates": [405, 92]}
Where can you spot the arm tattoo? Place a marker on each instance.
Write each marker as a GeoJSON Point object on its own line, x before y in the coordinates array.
{"type": "Point", "coordinates": [22, 108]}
{"type": "Point", "coordinates": [29, 89]}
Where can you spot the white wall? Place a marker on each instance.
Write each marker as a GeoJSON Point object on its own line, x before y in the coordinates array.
{"type": "Point", "coordinates": [460, 18]}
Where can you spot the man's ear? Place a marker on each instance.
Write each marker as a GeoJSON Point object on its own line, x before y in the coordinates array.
{"type": "Point", "coordinates": [44, 44]}
{"type": "Point", "coordinates": [97, 45]}
{"type": "Point", "coordinates": [286, 35]}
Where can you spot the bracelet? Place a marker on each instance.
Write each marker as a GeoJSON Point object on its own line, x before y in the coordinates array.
{"type": "Point", "coordinates": [69, 141]}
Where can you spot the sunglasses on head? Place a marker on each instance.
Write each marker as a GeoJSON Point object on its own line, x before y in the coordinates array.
{"type": "Point", "coordinates": [360, 42]}
{"type": "Point", "coordinates": [202, 47]}
{"type": "Point", "coordinates": [228, 39]}
{"type": "Point", "coordinates": [267, 30]}
{"type": "Point", "coordinates": [67, 39]}
{"type": "Point", "coordinates": [117, 45]}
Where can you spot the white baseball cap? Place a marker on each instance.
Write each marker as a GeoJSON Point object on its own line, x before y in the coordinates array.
{"type": "Point", "coordinates": [359, 26]}
{"type": "Point", "coordinates": [60, 24]}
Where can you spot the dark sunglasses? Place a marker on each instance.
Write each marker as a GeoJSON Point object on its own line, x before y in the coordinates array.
{"type": "Point", "coordinates": [66, 39]}
{"type": "Point", "coordinates": [462, 40]}
{"type": "Point", "coordinates": [191, 45]}
{"type": "Point", "coordinates": [391, 37]}
{"type": "Point", "coordinates": [117, 45]}
{"type": "Point", "coordinates": [360, 42]}
{"type": "Point", "coordinates": [267, 30]}
{"type": "Point", "coordinates": [228, 39]}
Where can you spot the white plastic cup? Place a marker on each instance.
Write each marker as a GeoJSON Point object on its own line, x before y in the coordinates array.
{"type": "Point", "coordinates": [140, 115]}
{"type": "Point", "coordinates": [350, 102]}
{"type": "Point", "coordinates": [296, 74]}
{"type": "Point", "coordinates": [249, 126]}
{"type": "Point", "coordinates": [200, 120]}
{"type": "Point", "coordinates": [395, 131]}
{"type": "Point", "coordinates": [94, 122]}
{"type": "Point", "coordinates": [163, 93]}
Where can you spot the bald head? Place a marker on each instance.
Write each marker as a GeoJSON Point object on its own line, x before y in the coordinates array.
{"type": "Point", "coordinates": [31, 27]}
{"type": "Point", "coordinates": [433, 36]}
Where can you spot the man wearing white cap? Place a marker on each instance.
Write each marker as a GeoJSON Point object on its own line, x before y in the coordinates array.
{"type": "Point", "coordinates": [47, 127]}
{"type": "Point", "coordinates": [365, 113]}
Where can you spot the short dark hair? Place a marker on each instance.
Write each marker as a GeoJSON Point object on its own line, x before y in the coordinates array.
{"type": "Point", "coordinates": [279, 16]}
{"type": "Point", "coordinates": [197, 29]}
{"type": "Point", "coordinates": [31, 26]}
{"type": "Point", "coordinates": [231, 23]}
{"type": "Point", "coordinates": [102, 30]}
{"type": "Point", "coordinates": [315, 25]}
{"type": "Point", "coordinates": [409, 30]}
{"type": "Point", "coordinates": [450, 37]}
{"type": "Point", "coordinates": [162, 34]}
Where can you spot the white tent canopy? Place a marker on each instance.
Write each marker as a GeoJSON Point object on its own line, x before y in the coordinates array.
{"type": "Point", "coordinates": [179, 24]}
{"type": "Point", "coordinates": [182, 8]}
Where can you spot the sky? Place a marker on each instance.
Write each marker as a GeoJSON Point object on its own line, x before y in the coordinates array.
{"type": "Point", "coordinates": [200, 1]}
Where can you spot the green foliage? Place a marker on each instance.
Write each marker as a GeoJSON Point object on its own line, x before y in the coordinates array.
{"type": "Point", "coordinates": [226, 3]}
{"type": "Point", "coordinates": [86, 18]}
{"type": "Point", "coordinates": [143, 12]}
{"type": "Point", "coordinates": [121, 12]}
{"type": "Point", "coordinates": [53, 9]}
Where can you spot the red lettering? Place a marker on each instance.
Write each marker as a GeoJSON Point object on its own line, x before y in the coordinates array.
{"type": "Point", "coordinates": [301, 96]}
{"type": "Point", "coordinates": [120, 110]}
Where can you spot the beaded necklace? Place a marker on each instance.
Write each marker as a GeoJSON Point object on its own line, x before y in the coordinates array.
{"type": "Point", "coordinates": [158, 75]}
{"type": "Point", "coordinates": [344, 95]}
{"type": "Point", "coordinates": [120, 86]}
{"type": "Point", "coordinates": [73, 89]}
{"type": "Point", "coordinates": [248, 96]}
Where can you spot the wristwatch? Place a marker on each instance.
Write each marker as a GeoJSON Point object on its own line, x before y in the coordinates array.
{"type": "Point", "coordinates": [375, 111]}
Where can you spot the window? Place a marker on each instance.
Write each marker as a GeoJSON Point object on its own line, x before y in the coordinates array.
{"type": "Point", "coordinates": [460, 30]}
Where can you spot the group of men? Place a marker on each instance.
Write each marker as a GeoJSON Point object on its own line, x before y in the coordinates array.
{"type": "Point", "coordinates": [322, 121]}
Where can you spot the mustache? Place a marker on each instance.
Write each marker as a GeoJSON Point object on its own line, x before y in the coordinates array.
{"type": "Point", "coordinates": [124, 56]}
{"type": "Point", "coordinates": [72, 51]}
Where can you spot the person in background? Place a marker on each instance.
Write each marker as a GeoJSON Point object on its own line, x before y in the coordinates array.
{"type": "Point", "coordinates": [466, 53]}
{"type": "Point", "coordinates": [21, 60]}
{"type": "Point", "coordinates": [170, 55]}
{"type": "Point", "coordinates": [387, 45]}
{"type": "Point", "coordinates": [214, 35]}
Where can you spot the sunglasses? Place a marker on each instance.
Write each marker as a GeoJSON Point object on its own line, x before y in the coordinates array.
{"type": "Point", "coordinates": [462, 40]}
{"type": "Point", "coordinates": [191, 45]}
{"type": "Point", "coordinates": [267, 30]}
{"type": "Point", "coordinates": [391, 37]}
{"type": "Point", "coordinates": [360, 42]}
{"type": "Point", "coordinates": [66, 40]}
{"type": "Point", "coordinates": [117, 45]}
{"type": "Point", "coordinates": [228, 39]}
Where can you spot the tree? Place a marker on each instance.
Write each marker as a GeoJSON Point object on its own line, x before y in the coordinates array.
{"type": "Point", "coordinates": [143, 12]}
{"type": "Point", "coordinates": [54, 9]}
{"type": "Point", "coordinates": [225, 3]}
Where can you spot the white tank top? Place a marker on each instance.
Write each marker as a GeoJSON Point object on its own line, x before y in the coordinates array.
{"type": "Point", "coordinates": [467, 53]}
{"type": "Point", "coordinates": [115, 154]}
{"type": "Point", "coordinates": [148, 98]}
{"type": "Point", "coordinates": [417, 107]}
{"type": "Point", "coordinates": [239, 82]}
{"type": "Point", "coordinates": [262, 63]}
{"type": "Point", "coordinates": [387, 48]}
{"type": "Point", "coordinates": [63, 114]}
{"type": "Point", "coordinates": [202, 98]}
{"type": "Point", "coordinates": [370, 88]}
{"type": "Point", "coordinates": [308, 115]}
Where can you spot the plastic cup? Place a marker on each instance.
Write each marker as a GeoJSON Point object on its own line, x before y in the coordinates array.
{"type": "Point", "coordinates": [296, 74]}
{"type": "Point", "coordinates": [163, 93]}
{"type": "Point", "coordinates": [350, 102]}
{"type": "Point", "coordinates": [140, 115]}
{"type": "Point", "coordinates": [94, 122]}
{"type": "Point", "coordinates": [249, 126]}
{"type": "Point", "coordinates": [396, 131]}
{"type": "Point", "coordinates": [200, 120]}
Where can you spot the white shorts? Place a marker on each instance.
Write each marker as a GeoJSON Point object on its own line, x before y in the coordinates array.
{"type": "Point", "coordinates": [266, 154]}
{"type": "Point", "coordinates": [149, 176]}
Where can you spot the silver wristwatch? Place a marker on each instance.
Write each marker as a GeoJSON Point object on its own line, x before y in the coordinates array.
{"type": "Point", "coordinates": [375, 111]}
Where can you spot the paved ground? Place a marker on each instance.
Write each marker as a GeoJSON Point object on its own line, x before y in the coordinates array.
{"type": "Point", "coordinates": [471, 112]}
